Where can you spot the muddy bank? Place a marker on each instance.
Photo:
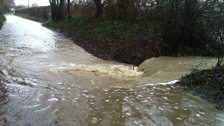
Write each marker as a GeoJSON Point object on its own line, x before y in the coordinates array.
{"type": "Point", "coordinates": [209, 84]}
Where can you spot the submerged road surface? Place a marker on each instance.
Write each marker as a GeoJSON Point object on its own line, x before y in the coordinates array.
{"type": "Point", "coordinates": [46, 80]}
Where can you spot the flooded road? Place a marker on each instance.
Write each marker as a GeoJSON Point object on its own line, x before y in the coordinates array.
{"type": "Point", "coordinates": [46, 80]}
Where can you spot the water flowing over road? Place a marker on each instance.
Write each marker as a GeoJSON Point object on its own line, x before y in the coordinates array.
{"type": "Point", "coordinates": [46, 80]}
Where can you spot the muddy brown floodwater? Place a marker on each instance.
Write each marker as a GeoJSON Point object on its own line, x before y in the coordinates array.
{"type": "Point", "coordinates": [46, 80]}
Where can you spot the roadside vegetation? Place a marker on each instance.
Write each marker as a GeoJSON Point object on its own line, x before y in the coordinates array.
{"type": "Point", "coordinates": [113, 39]}
{"type": "Point", "coordinates": [209, 84]}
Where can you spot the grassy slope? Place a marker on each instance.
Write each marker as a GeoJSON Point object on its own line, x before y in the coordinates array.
{"type": "Point", "coordinates": [129, 42]}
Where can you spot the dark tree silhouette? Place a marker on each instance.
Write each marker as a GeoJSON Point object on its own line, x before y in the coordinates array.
{"type": "Point", "coordinates": [68, 9]}
{"type": "Point", "coordinates": [99, 8]}
{"type": "Point", "coordinates": [57, 7]}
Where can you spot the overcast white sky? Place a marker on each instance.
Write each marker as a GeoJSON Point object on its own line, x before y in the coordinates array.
{"type": "Point", "coordinates": [39, 2]}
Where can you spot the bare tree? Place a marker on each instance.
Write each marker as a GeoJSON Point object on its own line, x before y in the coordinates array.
{"type": "Point", "coordinates": [68, 9]}
{"type": "Point", "coordinates": [57, 9]}
{"type": "Point", "coordinates": [125, 7]}
{"type": "Point", "coordinates": [99, 8]}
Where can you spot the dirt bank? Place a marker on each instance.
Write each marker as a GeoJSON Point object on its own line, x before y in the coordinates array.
{"type": "Point", "coordinates": [209, 84]}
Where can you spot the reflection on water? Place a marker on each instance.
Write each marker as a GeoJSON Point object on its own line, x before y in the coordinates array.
{"type": "Point", "coordinates": [46, 80]}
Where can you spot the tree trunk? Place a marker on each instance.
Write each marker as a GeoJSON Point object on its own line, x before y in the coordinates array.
{"type": "Point", "coordinates": [99, 8]}
{"type": "Point", "coordinates": [99, 11]}
{"type": "Point", "coordinates": [57, 9]}
{"type": "Point", "coordinates": [61, 9]}
{"type": "Point", "coordinates": [68, 9]}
